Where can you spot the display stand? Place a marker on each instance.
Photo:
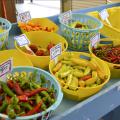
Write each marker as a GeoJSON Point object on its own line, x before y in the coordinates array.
{"type": "Point", "coordinates": [95, 106]}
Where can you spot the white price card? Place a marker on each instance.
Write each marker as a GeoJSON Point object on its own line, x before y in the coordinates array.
{"type": "Point", "coordinates": [6, 67]}
{"type": "Point", "coordinates": [95, 39]}
{"type": "Point", "coordinates": [104, 14]}
{"type": "Point", "coordinates": [22, 40]}
{"type": "Point", "coordinates": [55, 51]}
{"type": "Point", "coordinates": [25, 16]}
{"type": "Point", "coordinates": [65, 17]}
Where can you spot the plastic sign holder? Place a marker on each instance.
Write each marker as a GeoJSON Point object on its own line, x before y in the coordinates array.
{"type": "Point", "coordinates": [66, 17]}
{"type": "Point", "coordinates": [104, 16]}
{"type": "Point", "coordinates": [22, 40]}
{"type": "Point", "coordinates": [6, 67]}
{"type": "Point", "coordinates": [25, 16]}
{"type": "Point", "coordinates": [95, 39]}
{"type": "Point", "coordinates": [55, 52]}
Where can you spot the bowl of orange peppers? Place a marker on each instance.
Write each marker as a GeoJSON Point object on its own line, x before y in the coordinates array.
{"type": "Point", "coordinates": [38, 24]}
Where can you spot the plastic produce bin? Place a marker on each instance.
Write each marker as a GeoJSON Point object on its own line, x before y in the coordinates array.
{"type": "Point", "coordinates": [114, 68]}
{"type": "Point", "coordinates": [5, 27]}
{"type": "Point", "coordinates": [114, 17]}
{"type": "Point", "coordinates": [79, 39]}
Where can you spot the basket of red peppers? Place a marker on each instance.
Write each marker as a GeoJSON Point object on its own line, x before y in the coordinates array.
{"type": "Point", "coordinates": [108, 50]}
{"type": "Point", "coordinates": [28, 93]}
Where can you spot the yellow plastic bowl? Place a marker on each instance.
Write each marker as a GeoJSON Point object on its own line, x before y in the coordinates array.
{"type": "Point", "coordinates": [42, 38]}
{"type": "Point", "coordinates": [18, 58]}
{"type": "Point", "coordinates": [114, 17]}
{"type": "Point", "coordinates": [44, 22]}
{"type": "Point", "coordinates": [82, 93]}
{"type": "Point", "coordinates": [114, 68]}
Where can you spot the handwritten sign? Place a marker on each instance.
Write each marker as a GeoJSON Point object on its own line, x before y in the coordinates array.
{"type": "Point", "coordinates": [25, 16]}
{"type": "Point", "coordinates": [104, 16]}
{"type": "Point", "coordinates": [65, 17]}
{"type": "Point", "coordinates": [5, 67]}
{"type": "Point", "coordinates": [55, 51]}
{"type": "Point", "coordinates": [22, 40]}
{"type": "Point", "coordinates": [95, 39]}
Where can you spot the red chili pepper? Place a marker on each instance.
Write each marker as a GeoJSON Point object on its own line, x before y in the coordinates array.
{"type": "Point", "coordinates": [7, 98]}
{"type": "Point", "coordinates": [34, 92]}
{"type": "Point", "coordinates": [34, 110]}
{"type": "Point", "coordinates": [113, 58]}
{"type": "Point", "coordinates": [1, 102]}
{"type": "Point", "coordinates": [86, 77]}
{"type": "Point", "coordinates": [18, 89]}
{"type": "Point", "coordinates": [1, 90]}
{"type": "Point", "coordinates": [23, 98]}
{"type": "Point", "coordinates": [10, 83]}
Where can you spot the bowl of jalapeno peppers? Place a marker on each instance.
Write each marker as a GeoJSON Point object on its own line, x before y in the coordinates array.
{"type": "Point", "coordinates": [28, 93]}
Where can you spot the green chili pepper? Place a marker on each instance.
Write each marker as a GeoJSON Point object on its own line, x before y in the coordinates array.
{"type": "Point", "coordinates": [35, 85]}
{"type": "Point", "coordinates": [6, 89]}
{"type": "Point", "coordinates": [17, 108]}
{"type": "Point", "coordinates": [4, 106]}
{"type": "Point", "coordinates": [26, 105]}
{"type": "Point", "coordinates": [11, 112]}
{"type": "Point", "coordinates": [14, 100]}
{"type": "Point", "coordinates": [38, 99]}
{"type": "Point", "coordinates": [42, 78]}
{"type": "Point", "coordinates": [45, 94]}
{"type": "Point", "coordinates": [52, 101]}
{"type": "Point", "coordinates": [21, 113]}
{"type": "Point", "coordinates": [33, 76]}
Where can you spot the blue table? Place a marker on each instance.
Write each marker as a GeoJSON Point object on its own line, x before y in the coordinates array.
{"type": "Point", "coordinates": [95, 106]}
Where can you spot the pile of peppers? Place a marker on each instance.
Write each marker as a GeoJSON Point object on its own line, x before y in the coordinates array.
{"type": "Point", "coordinates": [108, 53]}
{"type": "Point", "coordinates": [23, 95]}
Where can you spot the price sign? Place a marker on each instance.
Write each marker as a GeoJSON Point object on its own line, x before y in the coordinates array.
{"type": "Point", "coordinates": [22, 40]}
{"type": "Point", "coordinates": [55, 51]}
{"type": "Point", "coordinates": [66, 16]}
{"type": "Point", "coordinates": [6, 67]}
{"type": "Point", "coordinates": [104, 14]}
{"type": "Point", "coordinates": [25, 16]}
{"type": "Point", "coordinates": [95, 39]}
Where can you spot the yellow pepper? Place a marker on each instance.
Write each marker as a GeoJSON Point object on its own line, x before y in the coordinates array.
{"type": "Point", "coordinates": [57, 67]}
{"type": "Point", "coordinates": [74, 83]}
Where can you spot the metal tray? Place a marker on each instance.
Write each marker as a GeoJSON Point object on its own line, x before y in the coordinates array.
{"type": "Point", "coordinates": [95, 106]}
